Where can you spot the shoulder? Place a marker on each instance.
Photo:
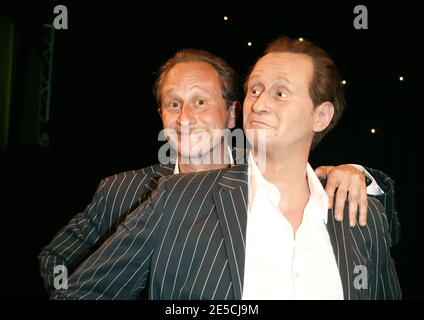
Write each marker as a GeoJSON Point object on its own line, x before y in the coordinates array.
{"type": "Point", "coordinates": [134, 177]}
{"type": "Point", "coordinates": [206, 182]}
{"type": "Point", "coordinates": [192, 178]}
{"type": "Point", "coordinates": [377, 214]}
{"type": "Point", "coordinates": [377, 228]}
{"type": "Point", "coordinates": [386, 183]}
{"type": "Point", "coordinates": [377, 217]}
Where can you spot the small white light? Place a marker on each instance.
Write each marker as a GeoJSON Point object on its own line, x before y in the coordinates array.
{"type": "Point", "coordinates": [249, 44]}
{"type": "Point", "coordinates": [225, 18]}
{"type": "Point", "coordinates": [343, 82]}
{"type": "Point", "coordinates": [401, 78]}
{"type": "Point", "coordinates": [300, 39]}
{"type": "Point", "coordinates": [372, 130]}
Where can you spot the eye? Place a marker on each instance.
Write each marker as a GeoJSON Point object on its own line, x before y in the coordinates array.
{"type": "Point", "coordinates": [200, 102]}
{"type": "Point", "coordinates": [174, 105]}
{"type": "Point", "coordinates": [282, 94]}
{"type": "Point", "coordinates": [255, 91]}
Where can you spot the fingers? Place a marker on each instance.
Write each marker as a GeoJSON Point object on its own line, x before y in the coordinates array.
{"type": "Point", "coordinates": [330, 189]}
{"type": "Point", "coordinates": [363, 207]}
{"type": "Point", "coordinates": [322, 171]}
{"type": "Point", "coordinates": [341, 196]}
{"type": "Point", "coordinates": [354, 194]}
{"type": "Point", "coordinates": [344, 182]}
{"type": "Point", "coordinates": [358, 199]}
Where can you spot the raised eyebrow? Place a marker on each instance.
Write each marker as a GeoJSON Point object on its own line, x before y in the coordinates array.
{"type": "Point", "coordinates": [168, 91]}
{"type": "Point", "coordinates": [172, 89]}
{"type": "Point", "coordinates": [246, 83]}
{"type": "Point", "coordinates": [254, 77]}
{"type": "Point", "coordinates": [257, 76]}
{"type": "Point", "coordinates": [200, 88]}
{"type": "Point", "coordinates": [288, 86]}
{"type": "Point", "coordinates": [284, 79]}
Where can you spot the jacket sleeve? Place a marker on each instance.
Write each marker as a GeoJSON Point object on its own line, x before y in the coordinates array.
{"type": "Point", "coordinates": [388, 286]}
{"type": "Point", "coordinates": [387, 199]}
{"type": "Point", "coordinates": [119, 269]}
{"type": "Point", "coordinates": [74, 241]}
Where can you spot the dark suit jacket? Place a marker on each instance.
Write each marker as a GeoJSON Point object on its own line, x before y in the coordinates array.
{"type": "Point", "coordinates": [388, 200]}
{"type": "Point", "coordinates": [118, 195]}
{"type": "Point", "coordinates": [188, 242]}
{"type": "Point", "coordinates": [114, 198]}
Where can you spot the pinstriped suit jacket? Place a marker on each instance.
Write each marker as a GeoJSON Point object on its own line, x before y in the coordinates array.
{"type": "Point", "coordinates": [387, 199]}
{"type": "Point", "coordinates": [118, 195]}
{"type": "Point", "coordinates": [188, 242]}
{"type": "Point", "coordinates": [115, 197]}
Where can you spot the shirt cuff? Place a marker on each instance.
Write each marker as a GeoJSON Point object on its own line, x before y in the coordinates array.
{"type": "Point", "coordinates": [373, 189]}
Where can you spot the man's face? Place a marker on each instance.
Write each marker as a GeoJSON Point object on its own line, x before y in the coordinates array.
{"type": "Point", "coordinates": [277, 102]}
{"type": "Point", "coordinates": [193, 106]}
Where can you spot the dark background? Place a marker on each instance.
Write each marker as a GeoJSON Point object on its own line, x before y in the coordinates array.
{"type": "Point", "coordinates": [103, 117]}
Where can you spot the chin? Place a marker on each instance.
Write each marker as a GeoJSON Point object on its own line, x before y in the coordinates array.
{"type": "Point", "coordinates": [194, 150]}
{"type": "Point", "coordinates": [258, 139]}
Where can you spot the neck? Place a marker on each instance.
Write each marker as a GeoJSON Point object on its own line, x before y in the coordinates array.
{"type": "Point", "coordinates": [284, 168]}
{"type": "Point", "coordinates": [186, 168]}
{"type": "Point", "coordinates": [205, 162]}
{"type": "Point", "coordinates": [287, 171]}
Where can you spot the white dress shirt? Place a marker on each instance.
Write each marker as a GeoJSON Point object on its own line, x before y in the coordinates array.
{"type": "Point", "coordinates": [229, 154]}
{"type": "Point", "coordinates": [279, 265]}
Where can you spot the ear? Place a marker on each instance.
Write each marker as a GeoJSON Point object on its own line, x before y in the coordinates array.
{"type": "Point", "coordinates": [160, 112]}
{"type": "Point", "coordinates": [322, 116]}
{"type": "Point", "coordinates": [234, 111]}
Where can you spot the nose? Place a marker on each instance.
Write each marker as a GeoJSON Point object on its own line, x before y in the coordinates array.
{"type": "Point", "coordinates": [260, 105]}
{"type": "Point", "coordinates": [186, 116]}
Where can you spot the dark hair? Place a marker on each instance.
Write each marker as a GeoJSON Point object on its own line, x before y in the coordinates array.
{"type": "Point", "coordinates": [326, 81]}
{"type": "Point", "coordinates": [227, 75]}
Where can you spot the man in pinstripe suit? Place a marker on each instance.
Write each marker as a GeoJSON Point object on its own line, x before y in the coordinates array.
{"type": "Point", "coordinates": [247, 231]}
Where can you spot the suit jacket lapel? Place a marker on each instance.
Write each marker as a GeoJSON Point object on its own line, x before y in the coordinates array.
{"type": "Point", "coordinates": [163, 169]}
{"type": "Point", "coordinates": [154, 173]}
{"type": "Point", "coordinates": [231, 203]}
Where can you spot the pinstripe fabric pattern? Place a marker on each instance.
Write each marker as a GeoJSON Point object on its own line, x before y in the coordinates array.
{"type": "Point", "coordinates": [387, 199]}
{"type": "Point", "coordinates": [188, 242]}
{"type": "Point", "coordinates": [115, 197]}
{"type": "Point", "coordinates": [365, 246]}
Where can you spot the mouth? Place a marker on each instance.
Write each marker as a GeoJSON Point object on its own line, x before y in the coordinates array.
{"type": "Point", "coordinates": [259, 124]}
{"type": "Point", "coordinates": [191, 133]}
